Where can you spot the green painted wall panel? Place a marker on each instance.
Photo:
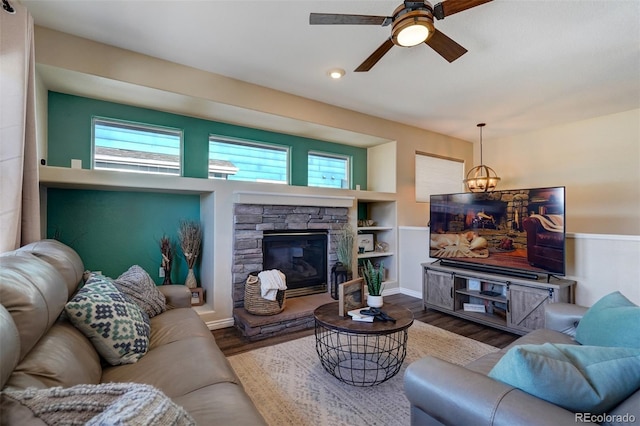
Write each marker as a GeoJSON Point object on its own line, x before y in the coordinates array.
{"type": "Point", "coordinates": [69, 136]}
{"type": "Point", "coordinates": [112, 230]}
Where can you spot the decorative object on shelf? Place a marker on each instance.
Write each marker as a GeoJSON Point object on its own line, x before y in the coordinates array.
{"type": "Point", "coordinates": [338, 276]}
{"type": "Point", "coordinates": [166, 250]}
{"type": "Point", "coordinates": [366, 241]}
{"type": "Point", "coordinates": [374, 276]}
{"type": "Point", "coordinates": [344, 249]}
{"type": "Point", "coordinates": [382, 247]}
{"type": "Point", "coordinates": [190, 235]}
{"type": "Point", "coordinates": [351, 296]}
{"type": "Point", "coordinates": [481, 178]}
{"type": "Point", "coordinates": [366, 223]}
{"type": "Point", "coordinates": [197, 296]}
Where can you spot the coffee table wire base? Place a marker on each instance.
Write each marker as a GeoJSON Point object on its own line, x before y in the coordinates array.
{"type": "Point", "coordinates": [361, 359]}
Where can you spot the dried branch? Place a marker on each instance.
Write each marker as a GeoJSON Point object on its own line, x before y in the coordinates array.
{"type": "Point", "coordinates": [190, 235]}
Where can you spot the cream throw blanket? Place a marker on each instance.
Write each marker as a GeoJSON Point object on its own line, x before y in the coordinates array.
{"type": "Point", "coordinates": [270, 282]}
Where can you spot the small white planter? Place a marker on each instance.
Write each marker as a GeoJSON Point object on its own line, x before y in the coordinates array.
{"type": "Point", "coordinates": [374, 301]}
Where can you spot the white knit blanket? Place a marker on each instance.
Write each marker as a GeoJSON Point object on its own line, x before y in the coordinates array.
{"type": "Point", "coordinates": [270, 282]}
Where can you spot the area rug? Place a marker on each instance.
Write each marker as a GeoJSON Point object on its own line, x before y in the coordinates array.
{"type": "Point", "coordinates": [290, 387]}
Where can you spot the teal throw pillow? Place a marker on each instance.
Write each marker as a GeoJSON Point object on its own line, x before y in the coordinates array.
{"type": "Point", "coordinates": [612, 321]}
{"type": "Point", "coordinates": [118, 329]}
{"type": "Point", "coordinates": [587, 379]}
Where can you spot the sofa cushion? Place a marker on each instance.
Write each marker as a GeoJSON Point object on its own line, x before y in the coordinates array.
{"type": "Point", "coordinates": [140, 288]}
{"type": "Point", "coordinates": [612, 321]}
{"type": "Point", "coordinates": [590, 379]}
{"type": "Point", "coordinates": [47, 364]}
{"type": "Point", "coordinates": [117, 327]}
{"type": "Point", "coordinates": [108, 403]}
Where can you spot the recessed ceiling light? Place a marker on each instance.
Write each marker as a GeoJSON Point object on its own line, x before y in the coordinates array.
{"type": "Point", "coordinates": [336, 73]}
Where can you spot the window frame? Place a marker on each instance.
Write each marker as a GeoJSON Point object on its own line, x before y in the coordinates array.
{"type": "Point", "coordinates": [333, 155]}
{"type": "Point", "coordinates": [152, 128]}
{"type": "Point", "coordinates": [257, 144]}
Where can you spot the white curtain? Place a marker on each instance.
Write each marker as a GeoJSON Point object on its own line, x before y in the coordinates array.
{"type": "Point", "coordinates": [19, 195]}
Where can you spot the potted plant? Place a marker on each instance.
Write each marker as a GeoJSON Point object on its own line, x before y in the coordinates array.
{"type": "Point", "coordinates": [374, 278]}
{"type": "Point", "coordinates": [190, 234]}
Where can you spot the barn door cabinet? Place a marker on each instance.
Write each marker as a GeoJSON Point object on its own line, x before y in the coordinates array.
{"type": "Point", "coordinates": [509, 303]}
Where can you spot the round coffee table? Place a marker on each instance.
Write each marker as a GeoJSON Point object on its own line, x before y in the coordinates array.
{"type": "Point", "coordinates": [361, 353]}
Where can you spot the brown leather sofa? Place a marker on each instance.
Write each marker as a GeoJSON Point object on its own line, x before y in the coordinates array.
{"type": "Point", "coordinates": [442, 393]}
{"type": "Point", "coordinates": [40, 348]}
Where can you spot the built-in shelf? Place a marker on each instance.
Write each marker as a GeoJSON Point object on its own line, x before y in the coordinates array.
{"type": "Point", "coordinates": [370, 254]}
{"type": "Point", "coordinates": [374, 228]}
{"type": "Point", "coordinates": [64, 177]}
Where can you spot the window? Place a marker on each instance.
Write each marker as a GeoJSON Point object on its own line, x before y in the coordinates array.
{"type": "Point", "coordinates": [121, 145]}
{"type": "Point", "coordinates": [437, 175]}
{"type": "Point", "coordinates": [328, 170]}
{"type": "Point", "coordinates": [235, 159]}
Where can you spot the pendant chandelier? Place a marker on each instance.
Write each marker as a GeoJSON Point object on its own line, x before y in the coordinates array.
{"type": "Point", "coordinates": [481, 178]}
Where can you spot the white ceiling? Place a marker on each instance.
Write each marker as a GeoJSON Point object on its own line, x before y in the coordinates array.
{"type": "Point", "coordinates": [531, 63]}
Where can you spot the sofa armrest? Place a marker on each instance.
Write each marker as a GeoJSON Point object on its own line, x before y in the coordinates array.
{"type": "Point", "coordinates": [178, 296]}
{"type": "Point", "coordinates": [453, 395]}
{"type": "Point", "coordinates": [563, 317]}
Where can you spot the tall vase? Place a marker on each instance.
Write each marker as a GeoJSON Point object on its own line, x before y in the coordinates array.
{"type": "Point", "coordinates": [191, 279]}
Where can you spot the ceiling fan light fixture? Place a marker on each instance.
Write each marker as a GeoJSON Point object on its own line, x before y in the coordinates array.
{"type": "Point", "coordinates": [413, 35]}
{"type": "Point", "coordinates": [413, 28]}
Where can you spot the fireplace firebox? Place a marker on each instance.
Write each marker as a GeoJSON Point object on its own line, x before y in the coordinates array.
{"type": "Point", "coordinates": [301, 256]}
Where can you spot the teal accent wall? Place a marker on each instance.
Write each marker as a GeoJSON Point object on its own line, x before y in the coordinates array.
{"type": "Point", "coordinates": [113, 230]}
{"type": "Point", "coordinates": [69, 136]}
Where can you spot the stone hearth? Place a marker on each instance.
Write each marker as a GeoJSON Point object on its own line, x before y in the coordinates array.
{"type": "Point", "coordinates": [297, 315]}
{"type": "Point", "coordinates": [250, 222]}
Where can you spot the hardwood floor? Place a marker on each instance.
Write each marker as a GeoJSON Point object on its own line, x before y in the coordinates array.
{"type": "Point", "coordinates": [231, 341]}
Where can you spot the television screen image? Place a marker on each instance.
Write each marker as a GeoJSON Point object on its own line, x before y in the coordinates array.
{"type": "Point", "coordinates": [507, 230]}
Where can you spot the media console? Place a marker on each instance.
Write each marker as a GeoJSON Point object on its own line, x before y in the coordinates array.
{"type": "Point", "coordinates": [510, 303]}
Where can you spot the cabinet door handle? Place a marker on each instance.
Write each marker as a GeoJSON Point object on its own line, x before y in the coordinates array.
{"type": "Point", "coordinates": [452, 292]}
{"type": "Point", "coordinates": [508, 306]}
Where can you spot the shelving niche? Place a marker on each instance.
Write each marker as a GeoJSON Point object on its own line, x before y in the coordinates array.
{"type": "Point", "coordinates": [384, 230]}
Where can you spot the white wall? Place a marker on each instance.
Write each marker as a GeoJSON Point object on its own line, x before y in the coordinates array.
{"type": "Point", "coordinates": [597, 160]}
{"type": "Point", "coordinates": [413, 249]}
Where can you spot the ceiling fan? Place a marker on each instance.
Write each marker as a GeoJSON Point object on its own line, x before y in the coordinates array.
{"type": "Point", "coordinates": [411, 24]}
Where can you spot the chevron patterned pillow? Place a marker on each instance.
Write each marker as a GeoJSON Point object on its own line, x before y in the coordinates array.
{"type": "Point", "coordinates": [118, 329]}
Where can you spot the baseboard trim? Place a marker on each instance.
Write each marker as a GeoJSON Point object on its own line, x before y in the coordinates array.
{"type": "Point", "coordinates": [218, 324]}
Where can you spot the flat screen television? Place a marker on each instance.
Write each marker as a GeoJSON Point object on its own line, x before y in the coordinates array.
{"type": "Point", "coordinates": [519, 231]}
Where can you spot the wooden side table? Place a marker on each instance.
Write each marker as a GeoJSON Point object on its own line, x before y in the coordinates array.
{"type": "Point", "coordinates": [361, 353]}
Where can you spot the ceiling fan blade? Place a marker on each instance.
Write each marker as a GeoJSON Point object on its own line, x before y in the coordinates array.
{"type": "Point", "coordinates": [449, 7]}
{"type": "Point", "coordinates": [338, 19]}
{"type": "Point", "coordinates": [375, 56]}
{"type": "Point", "coordinates": [445, 47]}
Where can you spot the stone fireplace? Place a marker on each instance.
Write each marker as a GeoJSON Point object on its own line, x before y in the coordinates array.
{"type": "Point", "coordinates": [259, 226]}
{"type": "Point", "coordinates": [252, 222]}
